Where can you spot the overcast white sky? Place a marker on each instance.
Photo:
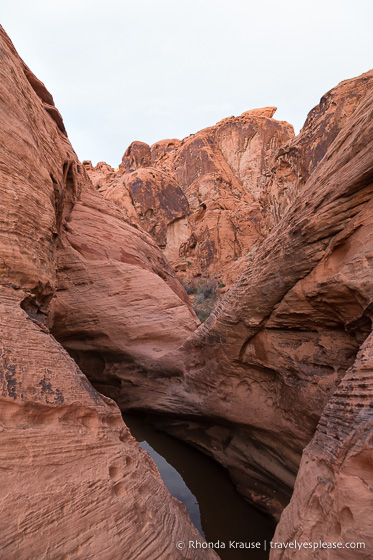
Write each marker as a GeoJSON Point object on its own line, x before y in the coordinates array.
{"type": "Point", "coordinates": [152, 69]}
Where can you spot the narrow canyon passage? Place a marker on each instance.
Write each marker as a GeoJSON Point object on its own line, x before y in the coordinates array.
{"type": "Point", "coordinates": [215, 507]}
{"type": "Point", "coordinates": [95, 323]}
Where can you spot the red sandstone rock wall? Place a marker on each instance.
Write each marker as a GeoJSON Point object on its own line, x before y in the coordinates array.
{"type": "Point", "coordinates": [74, 483]}
{"type": "Point", "coordinates": [199, 198]}
{"type": "Point", "coordinates": [118, 301]}
{"type": "Point", "coordinates": [251, 383]}
{"type": "Point", "coordinates": [248, 387]}
{"type": "Point", "coordinates": [296, 159]}
{"type": "Point", "coordinates": [238, 177]}
{"type": "Point", "coordinates": [332, 500]}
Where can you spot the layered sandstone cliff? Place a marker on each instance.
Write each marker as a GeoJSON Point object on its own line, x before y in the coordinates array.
{"type": "Point", "coordinates": [296, 159]}
{"type": "Point", "coordinates": [118, 303]}
{"type": "Point", "coordinates": [74, 483]}
{"type": "Point", "coordinates": [209, 200]}
{"type": "Point", "coordinates": [332, 501]}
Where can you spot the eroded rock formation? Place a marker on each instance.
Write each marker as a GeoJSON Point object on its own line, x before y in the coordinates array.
{"type": "Point", "coordinates": [296, 159]}
{"type": "Point", "coordinates": [249, 386]}
{"type": "Point", "coordinates": [199, 198]}
{"type": "Point", "coordinates": [332, 501]}
{"type": "Point", "coordinates": [118, 304]}
{"type": "Point", "coordinates": [74, 483]}
{"type": "Point", "coordinates": [238, 178]}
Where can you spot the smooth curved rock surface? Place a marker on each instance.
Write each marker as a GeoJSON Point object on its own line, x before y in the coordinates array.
{"type": "Point", "coordinates": [118, 303]}
{"type": "Point", "coordinates": [137, 155]}
{"type": "Point", "coordinates": [74, 482]}
{"type": "Point", "coordinates": [71, 471]}
{"type": "Point", "coordinates": [248, 387]}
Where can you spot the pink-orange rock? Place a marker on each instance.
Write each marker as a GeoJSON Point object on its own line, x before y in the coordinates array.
{"type": "Point", "coordinates": [158, 201]}
{"type": "Point", "coordinates": [160, 154]}
{"type": "Point", "coordinates": [137, 155]}
{"type": "Point", "coordinates": [332, 500]}
{"type": "Point", "coordinates": [250, 385]}
{"type": "Point", "coordinates": [151, 198]}
{"type": "Point", "coordinates": [221, 171]}
{"type": "Point", "coordinates": [300, 156]}
{"type": "Point", "coordinates": [263, 112]}
{"type": "Point", "coordinates": [119, 304]}
{"type": "Point", "coordinates": [71, 470]}
{"type": "Point", "coordinates": [115, 189]}
{"type": "Point", "coordinates": [74, 482]}
{"type": "Point", "coordinates": [99, 175]}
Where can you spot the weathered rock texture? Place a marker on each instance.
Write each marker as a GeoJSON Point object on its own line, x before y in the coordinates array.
{"type": "Point", "coordinates": [199, 198]}
{"type": "Point", "coordinates": [249, 386]}
{"type": "Point", "coordinates": [99, 175]}
{"type": "Point", "coordinates": [332, 501]}
{"type": "Point", "coordinates": [238, 178]}
{"type": "Point", "coordinates": [296, 159]}
{"type": "Point", "coordinates": [74, 483]}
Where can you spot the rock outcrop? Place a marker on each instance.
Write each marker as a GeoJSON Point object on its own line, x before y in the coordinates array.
{"type": "Point", "coordinates": [118, 303]}
{"type": "Point", "coordinates": [74, 482]}
{"type": "Point", "coordinates": [159, 203]}
{"type": "Point", "coordinates": [283, 362]}
{"type": "Point", "coordinates": [199, 198]}
{"type": "Point", "coordinates": [99, 175]}
{"type": "Point", "coordinates": [296, 159]}
{"type": "Point", "coordinates": [238, 178]}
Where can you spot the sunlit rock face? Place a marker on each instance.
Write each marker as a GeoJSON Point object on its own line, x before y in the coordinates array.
{"type": "Point", "coordinates": [74, 482]}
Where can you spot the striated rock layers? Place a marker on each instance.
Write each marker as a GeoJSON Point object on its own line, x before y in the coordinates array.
{"type": "Point", "coordinates": [332, 500]}
{"type": "Point", "coordinates": [200, 198]}
{"type": "Point", "coordinates": [74, 483]}
{"type": "Point", "coordinates": [118, 304]}
{"type": "Point", "coordinates": [295, 160]}
{"type": "Point", "coordinates": [250, 385]}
